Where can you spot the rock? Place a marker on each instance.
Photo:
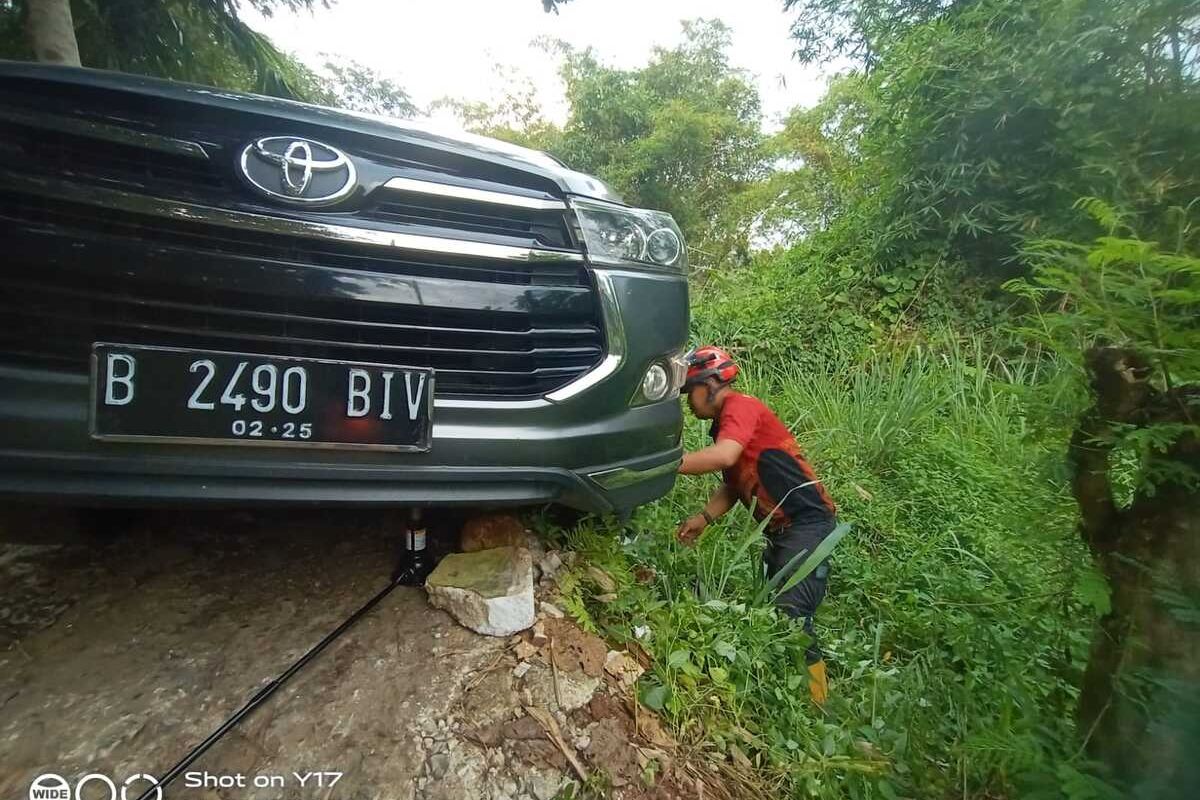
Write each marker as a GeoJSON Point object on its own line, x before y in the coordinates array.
{"type": "Point", "coordinates": [488, 591]}
{"type": "Point", "coordinates": [540, 639]}
{"type": "Point", "coordinates": [574, 689]}
{"type": "Point", "coordinates": [520, 669]}
{"type": "Point", "coordinates": [489, 531]}
{"type": "Point", "coordinates": [623, 667]}
{"type": "Point", "coordinates": [550, 564]}
{"type": "Point", "coordinates": [492, 700]}
{"type": "Point", "coordinates": [611, 751]}
{"type": "Point", "coordinates": [551, 610]}
{"type": "Point", "coordinates": [438, 766]}
{"type": "Point", "coordinates": [524, 650]}
{"type": "Point", "coordinates": [543, 785]}
{"type": "Point", "coordinates": [582, 742]}
{"type": "Point", "coordinates": [602, 579]}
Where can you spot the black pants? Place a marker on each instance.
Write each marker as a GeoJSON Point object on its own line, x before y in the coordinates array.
{"type": "Point", "coordinates": [800, 602]}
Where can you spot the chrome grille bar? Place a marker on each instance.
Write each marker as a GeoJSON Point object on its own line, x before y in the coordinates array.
{"type": "Point", "coordinates": [192, 212]}
{"type": "Point", "coordinates": [102, 130]}
{"type": "Point", "coordinates": [467, 193]}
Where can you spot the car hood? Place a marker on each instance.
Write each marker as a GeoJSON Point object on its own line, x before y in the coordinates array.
{"type": "Point", "coordinates": [484, 147]}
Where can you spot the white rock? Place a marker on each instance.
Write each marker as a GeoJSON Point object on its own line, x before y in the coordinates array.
{"type": "Point", "coordinates": [551, 610]}
{"type": "Point", "coordinates": [550, 564]}
{"type": "Point", "coordinates": [520, 669]}
{"type": "Point", "coordinates": [573, 689]}
{"type": "Point", "coordinates": [488, 591]}
{"type": "Point", "coordinates": [543, 785]}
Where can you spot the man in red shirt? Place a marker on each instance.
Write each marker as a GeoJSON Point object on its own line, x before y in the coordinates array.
{"type": "Point", "coordinates": [764, 468]}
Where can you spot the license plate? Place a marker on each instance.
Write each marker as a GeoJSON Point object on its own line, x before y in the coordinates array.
{"type": "Point", "coordinates": [172, 395]}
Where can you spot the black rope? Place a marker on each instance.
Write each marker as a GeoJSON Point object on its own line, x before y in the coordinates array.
{"type": "Point", "coordinates": [265, 692]}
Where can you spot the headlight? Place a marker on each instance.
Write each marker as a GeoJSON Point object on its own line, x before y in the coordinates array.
{"type": "Point", "coordinates": [618, 235]}
{"type": "Point", "coordinates": [662, 379]}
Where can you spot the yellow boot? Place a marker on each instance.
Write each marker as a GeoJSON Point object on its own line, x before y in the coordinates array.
{"type": "Point", "coordinates": [818, 683]}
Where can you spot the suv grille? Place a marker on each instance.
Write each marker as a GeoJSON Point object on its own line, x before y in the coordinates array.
{"type": "Point", "coordinates": [186, 288]}
{"type": "Point", "coordinates": [119, 165]}
{"type": "Point", "coordinates": [544, 227]}
{"type": "Point", "coordinates": [78, 272]}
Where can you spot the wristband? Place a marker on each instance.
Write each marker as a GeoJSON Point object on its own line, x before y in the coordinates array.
{"type": "Point", "coordinates": [709, 518]}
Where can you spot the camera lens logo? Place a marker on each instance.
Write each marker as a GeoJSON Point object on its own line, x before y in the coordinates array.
{"type": "Point", "coordinates": [49, 787]}
{"type": "Point", "coordinates": [54, 787]}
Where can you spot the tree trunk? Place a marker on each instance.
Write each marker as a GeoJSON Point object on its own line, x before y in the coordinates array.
{"type": "Point", "coordinates": [52, 32]}
{"type": "Point", "coordinates": [1154, 543]}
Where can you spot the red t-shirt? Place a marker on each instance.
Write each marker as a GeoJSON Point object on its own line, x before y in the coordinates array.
{"type": "Point", "coordinates": [772, 474]}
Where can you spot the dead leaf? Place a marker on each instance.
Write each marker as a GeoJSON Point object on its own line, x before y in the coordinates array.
{"type": "Point", "coordinates": [547, 722]}
{"type": "Point", "coordinates": [739, 757]}
{"type": "Point", "coordinates": [643, 574]}
{"type": "Point", "coordinates": [863, 493]}
{"type": "Point", "coordinates": [602, 579]}
{"type": "Point", "coordinates": [605, 598]}
{"type": "Point", "coordinates": [651, 730]}
{"type": "Point", "coordinates": [622, 667]}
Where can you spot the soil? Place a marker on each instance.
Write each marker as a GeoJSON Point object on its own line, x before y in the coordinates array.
{"type": "Point", "coordinates": [120, 652]}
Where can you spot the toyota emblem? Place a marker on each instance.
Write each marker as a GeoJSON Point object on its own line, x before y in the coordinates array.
{"type": "Point", "coordinates": [298, 170]}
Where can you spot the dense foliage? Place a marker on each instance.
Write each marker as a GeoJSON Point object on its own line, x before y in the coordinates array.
{"type": "Point", "coordinates": [982, 126]}
{"type": "Point", "coordinates": [682, 134]}
{"type": "Point", "coordinates": [202, 41]}
{"type": "Point", "coordinates": [357, 87]}
{"type": "Point", "coordinates": [960, 608]}
{"type": "Point", "coordinates": [966, 421]}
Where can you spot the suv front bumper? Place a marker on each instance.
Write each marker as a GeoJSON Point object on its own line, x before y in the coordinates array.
{"type": "Point", "coordinates": [592, 464]}
{"type": "Point", "coordinates": [586, 447]}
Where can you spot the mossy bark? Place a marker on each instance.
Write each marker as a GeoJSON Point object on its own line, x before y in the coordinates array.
{"type": "Point", "coordinates": [1154, 542]}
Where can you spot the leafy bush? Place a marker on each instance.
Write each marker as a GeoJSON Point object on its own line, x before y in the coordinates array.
{"type": "Point", "coordinates": [960, 605]}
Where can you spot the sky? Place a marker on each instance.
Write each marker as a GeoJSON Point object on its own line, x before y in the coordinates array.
{"type": "Point", "coordinates": [451, 48]}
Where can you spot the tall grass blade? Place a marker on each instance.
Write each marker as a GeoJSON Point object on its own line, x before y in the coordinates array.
{"type": "Point", "coordinates": [790, 579]}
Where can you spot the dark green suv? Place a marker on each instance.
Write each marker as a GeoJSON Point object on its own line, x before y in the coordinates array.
{"type": "Point", "coordinates": [218, 297]}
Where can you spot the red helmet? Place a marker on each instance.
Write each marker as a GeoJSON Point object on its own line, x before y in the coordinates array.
{"type": "Point", "coordinates": [708, 362]}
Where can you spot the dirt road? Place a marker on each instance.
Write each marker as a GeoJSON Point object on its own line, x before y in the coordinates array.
{"type": "Point", "coordinates": [119, 653]}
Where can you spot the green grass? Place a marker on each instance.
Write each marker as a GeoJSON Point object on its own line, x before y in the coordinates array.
{"type": "Point", "coordinates": [955, 627]}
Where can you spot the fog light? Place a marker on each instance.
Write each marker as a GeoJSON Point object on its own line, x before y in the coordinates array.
{"type": "Point", "coordinates": [656, 384]}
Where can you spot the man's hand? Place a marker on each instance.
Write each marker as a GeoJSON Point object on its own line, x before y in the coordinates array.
{"type": "Point", "coordinates": [690, 529]}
